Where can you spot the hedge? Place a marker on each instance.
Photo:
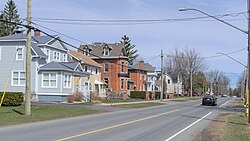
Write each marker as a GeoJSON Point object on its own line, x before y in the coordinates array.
{"type": "Point", "coordinates": [138, 94]}
{"type": "Point", "coordinates": [12, 98]}
{"type": "Point", "coordinates": [158, 95]}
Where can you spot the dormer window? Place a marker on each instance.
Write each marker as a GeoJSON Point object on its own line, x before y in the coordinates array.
{"type": "Point", "coordinates": [106, 51]}
{"type": "Point", "coordinates": [86, 52]}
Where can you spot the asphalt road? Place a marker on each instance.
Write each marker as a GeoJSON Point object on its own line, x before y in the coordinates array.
{"type": "Point", "coordinates": [174, 121]}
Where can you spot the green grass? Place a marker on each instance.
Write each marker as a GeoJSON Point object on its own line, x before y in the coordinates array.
{"type": "Point", "coordinates": [139, 105]}
{"type": "Point", "coordinates": [238, 104]}
{"type": "Point", "coordinates": [15, 115]}
{"type": "Point", "coordinates": [236, 128]}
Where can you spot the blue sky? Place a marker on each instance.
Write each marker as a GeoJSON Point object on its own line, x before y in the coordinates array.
{"type": "Point", "coordinates": [207, 37]}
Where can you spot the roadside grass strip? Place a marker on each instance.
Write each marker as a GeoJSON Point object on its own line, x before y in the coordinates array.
{"type": "Point", "coordinates": [236, 128]}
{"type": "Point", "coordinates": [15, 115]}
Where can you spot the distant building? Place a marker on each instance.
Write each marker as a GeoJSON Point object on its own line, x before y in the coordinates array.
{"type": "Point", "coordinates": [114, 62]}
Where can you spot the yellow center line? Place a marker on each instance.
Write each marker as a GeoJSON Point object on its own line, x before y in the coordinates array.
{"type": "Point", "coordinates": [115, 126]}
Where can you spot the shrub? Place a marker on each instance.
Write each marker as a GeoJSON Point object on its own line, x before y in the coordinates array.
{"type": "Point", "coordinates": [158, 95]}
{"type": "Point", "coordinates": [12, 98]}
{"type": "Point", "coordinates": [78, 96]}
{"type": "Point", "coordinates": [138, 94]}
{"type": "Point", "coordinates": [70, 98]}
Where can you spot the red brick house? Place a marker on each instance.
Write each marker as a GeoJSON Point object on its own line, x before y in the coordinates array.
{"type": "Point", "coordinates": [114, 64]}
{"type": "Point", "coordinates": [138, 77]}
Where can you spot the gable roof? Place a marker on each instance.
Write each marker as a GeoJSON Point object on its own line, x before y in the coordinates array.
{"type": "Point", "coordinates": [22, 37]}
{"type": "Point", "coordinates": [63, 66]}
{"type": "Point", "coordinates": [83, 58]}
{"type": "Point", "coordinates": [43, 39]}
{"type": "Point", "coordinates": [115, 49]}
{"type": "Point", "coordinates": [147, 67]}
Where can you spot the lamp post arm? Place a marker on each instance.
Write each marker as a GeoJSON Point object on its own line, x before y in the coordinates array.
{"type": "Point", "coordinates": [232, 59]}
{"type": "Point", "coordinates": [185, 9]}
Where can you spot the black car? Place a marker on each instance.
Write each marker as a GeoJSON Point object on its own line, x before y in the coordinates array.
{"type": "Point", "coordinates": [209, 100]}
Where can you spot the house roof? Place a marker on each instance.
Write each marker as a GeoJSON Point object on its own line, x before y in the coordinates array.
{"type": "Point", "coordinates": [62, 66]}
{"type": "Point", "coordinates": [43, 39]}
{"type": "Point", "coordinates": [83, 58]}
{"type": "Point", "coordinates": [22, 37]}
{"type": "Point", "coordinates": [147, 67]}
{"type": "Point", "coordinates": [115, 49]}
{"type": "Point", "coordinates": [38, 51]}
{"type": "Point", "coordinates": [34, 44]}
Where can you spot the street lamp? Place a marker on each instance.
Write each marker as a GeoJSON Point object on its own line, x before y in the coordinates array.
{"type": "Point", "coordinates": [246, 32]}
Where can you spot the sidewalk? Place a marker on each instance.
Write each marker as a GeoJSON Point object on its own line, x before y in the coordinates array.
{"type": "Point", "coordinates": [143, 101]}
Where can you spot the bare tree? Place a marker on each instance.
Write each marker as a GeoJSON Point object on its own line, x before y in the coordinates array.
{"type": "Point", "coordinates": [184, 63]}
{"type": "Point", "coordinates": [218, 82]}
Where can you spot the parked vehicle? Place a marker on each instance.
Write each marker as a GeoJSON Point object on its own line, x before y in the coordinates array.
{"type": "Point", "coordinates": [209, 100]}
{"type": "Point", "coordinates": [223, 95]}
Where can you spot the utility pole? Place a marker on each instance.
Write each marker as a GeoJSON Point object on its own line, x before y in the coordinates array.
{"type": "Point", "coordinates": [191, 82]}
{"type": "Point", "coordinates": [28, 61]}
{"type": "Point", "coordinates": [162, 76]}
{"type": "Point", "coordinates": [248, 98]}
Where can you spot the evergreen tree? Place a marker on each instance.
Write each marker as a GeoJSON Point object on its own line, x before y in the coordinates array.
{"type": "Point", "coordinates": [10, 14]}
{"type": "Point", "coordinates": [129, 48]}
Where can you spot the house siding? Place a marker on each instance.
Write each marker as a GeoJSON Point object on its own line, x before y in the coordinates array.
{"type": "Point", "coordinates": [9, 63]}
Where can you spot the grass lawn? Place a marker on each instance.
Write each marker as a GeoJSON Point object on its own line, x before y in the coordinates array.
{"type": "Point", "coordinates": [237, 104]}
{"type": "Point", "coordinates": [180, 100]}
{"type": "Point", "coordinates": [15, 115]}
{"type": "Point", "coordinates": [138, 105]}
{"type": "Point", "coordinates": [236, 128]}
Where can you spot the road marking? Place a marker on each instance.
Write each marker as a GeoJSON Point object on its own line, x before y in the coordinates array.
{"type": "Point", "coordinates": [223, 104]}
{"type": "Point", "coordinates": [188, 127]}
{"type": "Point", "coordinates": [115, 126]}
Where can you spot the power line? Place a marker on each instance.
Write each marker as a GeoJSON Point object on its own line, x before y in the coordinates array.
{"type": "Point", "coordinates": [128, 21]}
{"type": "Point", "coordinates": [208, 57]}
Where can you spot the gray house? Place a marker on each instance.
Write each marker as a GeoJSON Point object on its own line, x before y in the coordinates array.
{"type": "Point", "coordinates": [52, 70]}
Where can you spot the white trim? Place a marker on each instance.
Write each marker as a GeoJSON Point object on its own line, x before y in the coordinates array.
{"type": "Point", "coordinates": [0, 53]}
{"type": "Point", "coordinates": [48, 54]}
{"type": "Point", "coordinates": [36, 85]}
{"type": "Point", "coordinates": [19, 47]}
{"type": "Point", "coordinates": [49, 79]}
{"type": "Point", "coordinates": [70, 80]}
{"type": "Point", "coordinates": [61, 87]}
{"type": "Point", "coordinates": [57, 94]}
{"type": "Point", "coordinates": [57, 53]}
{"type": "Point", "coordinates": [18, 71]}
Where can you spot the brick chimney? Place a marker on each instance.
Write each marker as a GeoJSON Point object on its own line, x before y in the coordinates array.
{"type": "Point", "coordinates": [36, 32]}
{"type": "Point", "coordinates": [141, 64]}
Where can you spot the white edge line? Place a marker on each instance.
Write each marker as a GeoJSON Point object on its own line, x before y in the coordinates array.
{"type": "Point", "coordinates": [223, 104]}
{"type": "Point", "coordinates": [188, 127]}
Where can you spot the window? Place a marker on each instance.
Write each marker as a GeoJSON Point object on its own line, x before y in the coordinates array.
{"type": "Point", "coordinates": [106, 80]}
{"type": "Point", "coordinates": [106, 67]}
{"type": "Point", "coordinates": [49, 80]}
{"type": "Point", "coordinates": [96, 71]}
{"type": "Point", "coordinates": [65, 57]}
{"type": "Point", "coordinates": [86, 68]}
{"type": "Point", "coordinates": [48, 54]}
{"type": "Point", "coordinates": [67, 81]}
{"type": "Point", "coordinates": [123, 67]}
{"type": "Point", "coordinates": [86, 52]}
{"type": "Point", "coordinates": [106, 51]}
{"type": "Point", "coordinates": [18, 78]}
{"type": "Point", "coordinates": [168, 81]}
{"type": "Point", "coordinates": [19, 54]}
{"type": "Point", "coordinates": [56, 56]}
{"type": "Point", "coordinates": [122, 83]}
